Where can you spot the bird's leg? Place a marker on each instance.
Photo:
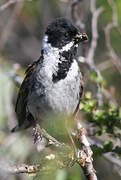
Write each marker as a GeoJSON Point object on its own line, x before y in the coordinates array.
{"type": "Point", "coordinates": [70, 133]}
{"type": "Point", "coordinates": [38, 133]}
{"type": "Point", "coordinates": [71, 139]}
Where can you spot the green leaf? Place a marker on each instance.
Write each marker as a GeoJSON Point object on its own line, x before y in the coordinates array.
{"type": "Point", "coordinates": [108, 146]}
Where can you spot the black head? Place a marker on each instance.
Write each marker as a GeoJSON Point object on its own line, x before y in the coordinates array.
{"type": "Point", "coordinates": [61, 32]}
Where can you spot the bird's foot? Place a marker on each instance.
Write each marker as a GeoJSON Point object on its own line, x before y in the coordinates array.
{"type": "Point", "coordinates": [36, 134]}
{"type": "Point", "coordinates": [39, 133]}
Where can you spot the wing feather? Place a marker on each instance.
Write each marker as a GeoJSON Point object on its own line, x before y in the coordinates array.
{"type": "Point", "coordinates": [21, 103]}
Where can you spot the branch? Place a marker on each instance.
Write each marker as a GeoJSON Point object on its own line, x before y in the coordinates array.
{"type": "Point", "coordinates": [75, 15]}
{"type": "Point", "coordinates": [95, 14]}
{"type": "Point", "coordinates": [29, 169]}
{"type": "Point", "coordinates": [90, 57]}
{"type": "Point", "coordinates": [9, 25]}
{"type": "Point", "coordinates": [84, 156]}
{"type": "Point", "coordinates": [104, 65]}
{"type": "Point", "coordinates": [6, 5]}
{"type": "Point", "coordinates": [114, 24]}
{"type": "Point", "coordinates": [43, 167]}
{"type": "Point", "coordinates": [84, 159]}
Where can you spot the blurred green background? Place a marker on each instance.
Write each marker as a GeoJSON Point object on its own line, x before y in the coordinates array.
{"type": "Point", "coordinates": [22, 26]}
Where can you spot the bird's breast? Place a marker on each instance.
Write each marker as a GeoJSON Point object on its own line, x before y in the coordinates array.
{"type": "Point", "coordinates": [64, 95]}
{"type": "Point", "coordinates": [60, 97]}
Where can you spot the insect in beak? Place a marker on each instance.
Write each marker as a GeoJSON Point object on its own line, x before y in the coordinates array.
{"type": "Point", "coordinates": [80, 37]}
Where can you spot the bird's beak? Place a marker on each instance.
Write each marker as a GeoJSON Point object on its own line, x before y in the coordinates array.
{"type": "Point", "coordinates": [80, 37]}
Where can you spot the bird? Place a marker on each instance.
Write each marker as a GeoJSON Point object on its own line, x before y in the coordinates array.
{"type": "Point", "coordinates": [53, 84]}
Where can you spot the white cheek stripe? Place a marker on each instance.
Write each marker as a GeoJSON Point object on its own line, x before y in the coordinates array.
{"type": "Point", "coordinates": [47, 46]}
{"type": "Point", "coordinates": [67, 46]}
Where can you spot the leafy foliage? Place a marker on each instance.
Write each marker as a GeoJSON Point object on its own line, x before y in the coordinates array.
{"type": "Point", "coordinates": [105, 120]}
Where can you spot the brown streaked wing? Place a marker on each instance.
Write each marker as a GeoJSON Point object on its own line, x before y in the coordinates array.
{"type": "Point", "coordinates": [21, 102]}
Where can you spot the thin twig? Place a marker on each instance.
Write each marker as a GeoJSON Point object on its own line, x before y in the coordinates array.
{"type": "Point", "coordinates": [95, 14]}
{"type": "Point", "coordinates": [75, 16]}
{"type": "Point", "coordinates": [90, 57]}
{"type": "Point", "coordinates": [7, 4]}
{"type": "Point", "coordinates": [9, 25]}
{"type": "Point", "coordinates": [114, 24]}
{"type": "Point", "coordinates": [104, 65]}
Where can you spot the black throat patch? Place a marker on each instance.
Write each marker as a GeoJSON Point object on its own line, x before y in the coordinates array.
{"type": "Point", "coordinates": [66, 59]}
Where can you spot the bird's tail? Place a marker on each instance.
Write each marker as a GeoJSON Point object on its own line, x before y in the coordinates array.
{"type": "Point", "coordinates": [25, 125]}
{"type": "Point", "coordinates": [17, 128]}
